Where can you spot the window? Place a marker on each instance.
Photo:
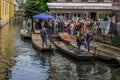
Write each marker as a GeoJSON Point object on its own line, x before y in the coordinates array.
{"type": "Point", "coordinates": [107, 0]}
{"type": "Point", "coordinates": [62, 14]}
{"type": "Point", "coordinates": [75, 15]}
{"type": "Point", "coordinates": [68, 0]}
{"type": "Point", "coordinates": [70, 16]}
{"type": "Point", "coordinates": [58, 14]}
{"type": "Point", "coordinates": [54, 0]}
{"type": "Point", "coordinates": [3, 7]}
{"type": "Point", "coordinates": [92, 0]}
{"type": "Point", "coordinates": [61, 0]}
{"type": "Point", "coordinates": [76, 0]}
{"type": "Point", "coordinates": [6, 8]}
{"type": "Point", "coordinates": [84, 15]}
{"type": "Point", "coordinates": [79, 15]}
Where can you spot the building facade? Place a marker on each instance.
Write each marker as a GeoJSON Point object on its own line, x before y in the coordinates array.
{"type": "Point", "coordinates": [18, 7]}
{"type": "Point", "coordinates": [6, 11]}
{"type": "Point", "coordinates": [18, 4]}
{"type": "Point", "coordinates": [84, 9]}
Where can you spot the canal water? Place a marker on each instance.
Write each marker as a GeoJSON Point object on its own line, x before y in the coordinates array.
{"type": "Point", "coordinates": [19, 61]}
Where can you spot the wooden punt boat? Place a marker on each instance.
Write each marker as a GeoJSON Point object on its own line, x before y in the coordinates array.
{"type": "Point", "coordinates": [24, 34]}
{"type": "Point", "coordinates": [118, 59]}
{"type": "Point", "coordinates": [37, 43]}
{"type": "Point", "coordinates": [69, 39]}
{"type": "Point", "coordinates": [70, 51]}
{"type": "Point", "coordinates": [65, 37]}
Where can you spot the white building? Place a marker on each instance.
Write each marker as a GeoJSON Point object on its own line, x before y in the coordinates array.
{"type": "Point", "coordinates": [92, 9]}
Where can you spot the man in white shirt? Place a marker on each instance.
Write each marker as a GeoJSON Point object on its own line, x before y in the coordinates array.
{"type": "Point", "coordinates": [72, 28]}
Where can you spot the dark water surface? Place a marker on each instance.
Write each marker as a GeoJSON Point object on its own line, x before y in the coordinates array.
{"type": "Point", "coordinates": [29, 64]}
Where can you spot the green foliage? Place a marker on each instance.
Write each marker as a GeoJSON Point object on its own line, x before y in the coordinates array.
{"type": "Point", "coordinates": [116, 41]}
{"type": "Point", "coordinates": [105, 17]}
{"type": "Point", "coordinates": [33, 7]}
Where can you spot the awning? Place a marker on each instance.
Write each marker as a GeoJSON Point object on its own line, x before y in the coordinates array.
{"type": "Point", "coordinates": [43, 16]}
{"type": "Point", "coordinates": [80, 6]}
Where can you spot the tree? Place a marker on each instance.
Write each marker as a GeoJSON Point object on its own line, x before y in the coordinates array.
{"type": "Point", "coordinates": [32, 7]}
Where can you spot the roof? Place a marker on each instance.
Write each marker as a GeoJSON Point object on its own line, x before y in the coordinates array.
{"type": "Point", "coordinates": [80, 5]}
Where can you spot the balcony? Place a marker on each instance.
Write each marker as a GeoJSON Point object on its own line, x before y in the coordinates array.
{"type": "Point", "coordinates": [116, 6]}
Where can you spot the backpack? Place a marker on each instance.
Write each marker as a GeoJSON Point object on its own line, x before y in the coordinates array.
{"type": "Point", "coordinates": [89, 36]}
{"type": "Point", "coordinates": [43, 34]}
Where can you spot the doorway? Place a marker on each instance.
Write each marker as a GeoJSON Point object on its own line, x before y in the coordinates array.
{"type": "Point", "coordinates": [93, 15]}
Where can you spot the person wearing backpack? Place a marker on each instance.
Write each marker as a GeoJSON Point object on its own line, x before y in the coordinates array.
{"type": "Point", "coordinates": [44, 37]}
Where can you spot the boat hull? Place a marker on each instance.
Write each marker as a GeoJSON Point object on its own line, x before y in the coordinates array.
{"type": "Point", "coordinates": [24, 34]}
{"type": "Point", "coordinates": [81, 56]}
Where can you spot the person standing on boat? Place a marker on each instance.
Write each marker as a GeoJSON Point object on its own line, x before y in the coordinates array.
{"type": "Point", "coordinates": [44, 37]}
{"type": "Point", "coordinates": [51, 27]}
{"type": "Point", "coordinates": [88, 40]}
{"type": "Point", "coordinates": [79, 40]}
{"type": "Point", "coordinates": [29, 23]}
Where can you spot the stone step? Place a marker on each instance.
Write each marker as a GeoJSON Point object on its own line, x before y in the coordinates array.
{"type": "Point", "coordinates": [113, 49]}
{"type": "Point", "coordinates": [103, 39]}
{"type": "Point", "coordinates": [104, 53]}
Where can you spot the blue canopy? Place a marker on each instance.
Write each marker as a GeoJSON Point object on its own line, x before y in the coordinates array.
{"type": "Point", "coordinates": [51, 17]}
{"type": "Point", "coordinates": [43, 16]}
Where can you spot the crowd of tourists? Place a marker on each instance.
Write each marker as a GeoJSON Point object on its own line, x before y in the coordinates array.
{"type": "Point", "coordinates": [80, 28]}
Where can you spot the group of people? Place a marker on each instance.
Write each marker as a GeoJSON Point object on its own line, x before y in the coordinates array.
{"type": "Point", "coordinates": [81, 28]}
{"type": "Point", "coordinates": [84, 36]}
{"type": "Point", "coordinates": [82, 40]}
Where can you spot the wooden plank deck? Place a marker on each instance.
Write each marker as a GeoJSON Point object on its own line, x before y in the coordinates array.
{"type": "Point", "coordinates": [37, 41]}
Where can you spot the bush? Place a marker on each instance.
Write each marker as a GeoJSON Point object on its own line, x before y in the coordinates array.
{"type": "Point", "coordinates": [116, 41]}
{"type": "Point", "coordinates": [105, 17]}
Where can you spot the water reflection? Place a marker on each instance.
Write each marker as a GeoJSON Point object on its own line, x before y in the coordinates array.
{"type": "Point", "coordinates": [66, 69]}
{"type": "Point", "coordinates": [6, 50]}
{"type": "Point", "coordinates": [27, 65]}
{"type": "Point", "coordinates": [34, 65]}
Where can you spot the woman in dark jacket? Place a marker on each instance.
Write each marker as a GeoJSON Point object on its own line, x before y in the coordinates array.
{"type": "Point", "coordinates": [88, 39]}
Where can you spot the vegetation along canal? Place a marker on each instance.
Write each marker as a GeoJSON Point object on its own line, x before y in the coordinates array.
{"type": "Point", "coordinates": [19, 61]}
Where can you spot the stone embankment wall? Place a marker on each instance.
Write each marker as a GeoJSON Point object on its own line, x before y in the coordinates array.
{"type": "Point", "coordinates": [106, 51]}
